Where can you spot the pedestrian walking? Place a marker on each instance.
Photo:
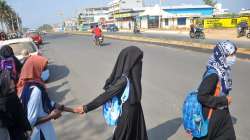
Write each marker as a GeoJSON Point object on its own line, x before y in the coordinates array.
{"type": "Point", "coordinates": [40, 110]}
{"type": "Point", "coordinates": [220, 123]}
{"type": "Point", "coordinates": [128, 67]}
{"type": "Point", "coordinates": [13, 123]}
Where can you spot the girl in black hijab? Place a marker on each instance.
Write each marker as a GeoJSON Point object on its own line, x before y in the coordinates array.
{"type": "Point", "coordinates": [131, 124]}
{"type": "Point", "coordinates": [11, 112]}
{"type": "Point", "coordinates": [7, 52]}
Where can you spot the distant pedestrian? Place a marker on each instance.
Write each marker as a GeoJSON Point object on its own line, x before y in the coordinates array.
{"type": "Point", "coordinates": [221, 61]}
{"type": "Point", "coordinates": [39, 109]}
{"type": "Point", "coordinates": [13, 123]}
{"type": "Point", "coordinates": [131, 123]}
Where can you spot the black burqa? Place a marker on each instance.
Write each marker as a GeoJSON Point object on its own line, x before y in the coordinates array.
{"type": "Point", "coordinates": [131, 124]}
{"type": "Point", "coordinates": [12, 115]}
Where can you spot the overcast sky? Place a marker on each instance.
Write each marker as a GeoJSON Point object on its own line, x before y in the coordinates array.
{"type": "Point", "coordinates": [37, 12]}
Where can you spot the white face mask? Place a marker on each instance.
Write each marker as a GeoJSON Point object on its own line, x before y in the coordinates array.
{"type": "Point", "coordinates": [45, 75]}
{"type": "Point", "coordinates": [231, 60]}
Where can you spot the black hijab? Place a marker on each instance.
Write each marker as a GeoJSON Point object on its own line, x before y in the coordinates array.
{"type": "Point", "coordinates": [11, 110]}
{"type": "Point", "coordinates": [6, 51]}
{"type": "Point", "coordinates": [129, 63]}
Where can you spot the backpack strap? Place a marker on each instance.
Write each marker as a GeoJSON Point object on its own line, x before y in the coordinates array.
{"type": "Point", "coordinates": [125, 94]}
{"type": "Point", "coordinates": [216, 93]}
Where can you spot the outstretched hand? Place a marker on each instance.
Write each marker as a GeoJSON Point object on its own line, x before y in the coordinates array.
{"type": "Point", "coordinates": [79, 110]}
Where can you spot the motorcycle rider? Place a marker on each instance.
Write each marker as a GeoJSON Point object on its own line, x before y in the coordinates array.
{"type": "Point", "coordinates": [192, 28]}
{"type": "Point", "coordinates": [97, 32]}
{"type": "Point", "coordinates": [242, 28]}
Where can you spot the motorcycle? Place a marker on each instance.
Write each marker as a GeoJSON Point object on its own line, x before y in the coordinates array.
{"type": "Point", "coordinates": [99, 41]}
{"type": "Point", "coordinates": [197, 33]}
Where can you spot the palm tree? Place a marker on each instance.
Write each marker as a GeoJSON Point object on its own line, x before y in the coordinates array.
{"type": "Point", "coordinates": [3, 10]}
{"type": "Point", "coordinates": [8, 17]}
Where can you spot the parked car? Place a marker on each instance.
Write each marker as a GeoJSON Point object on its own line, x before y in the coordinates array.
{"type": "Point", "coordinates": [112, 28]}
{"type": "Point", "coordinates": [37, 38]}
{"type": "Point", "coordinates": [23, 45]}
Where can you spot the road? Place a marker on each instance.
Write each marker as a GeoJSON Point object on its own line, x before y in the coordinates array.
{"type": "Point", "coordinates": [182, 37]}
{"type": "Point", "coordinates": [79, 70]}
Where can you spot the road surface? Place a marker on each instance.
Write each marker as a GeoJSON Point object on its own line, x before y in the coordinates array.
{"type": "Point", "coordinates": [79, 70]}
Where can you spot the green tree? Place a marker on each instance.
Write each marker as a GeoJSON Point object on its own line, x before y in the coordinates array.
{"type": "Point", "coordinates": [210, 2]}
{"type": "Point", "coordinates": [45, 27]}
{"type": "Point", "coordinates": [9, 17]}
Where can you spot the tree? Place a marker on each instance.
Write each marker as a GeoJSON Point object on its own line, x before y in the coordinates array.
{"type": "Point", "coordinates": [45, 27]}
{"type": "Point", "coordinates": [210, 2]}
{"type": "Point", "coordinates": [9, 17]}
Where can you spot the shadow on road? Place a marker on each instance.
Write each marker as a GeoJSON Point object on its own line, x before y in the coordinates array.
{"type": "Point", "coordinates": [165, 130]}
{"type": "Point", "coordinates": [56, 94]}
{"type": "Point", "coordinates": [45, 43]}
{"type": "Point", "coordinates": [105, 44]}
{"type": "Point", "coordinates": [57, 72]}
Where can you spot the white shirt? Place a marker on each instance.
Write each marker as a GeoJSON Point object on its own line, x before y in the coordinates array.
{"type": "Point", "coordinates": [35, 111]}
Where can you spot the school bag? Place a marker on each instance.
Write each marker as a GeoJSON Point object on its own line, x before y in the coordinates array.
{"type": "Point", "coordinates": [193, 120]}
{"type": "Point", "coordinates": [112, 109]}
{"type": "Point", "coordinates": [9, 64]}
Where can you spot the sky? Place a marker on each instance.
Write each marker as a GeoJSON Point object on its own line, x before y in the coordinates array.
{"type": "Point", "coordinates": [37, 12]}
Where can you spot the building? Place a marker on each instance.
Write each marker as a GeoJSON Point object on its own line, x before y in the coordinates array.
{"type": "Point", "coordinates": [245, 12]}
{"type": "Point", "coordinates": [128, 19]}
{"type": "Point", "coordinates": [117, 6]}
{"type": "Point", "coordinates": [70, 24]}
{"type": "Point", "coordinates": [93, 15]}
{"type": "Point", "coordinates": [218, 10]}
{"type": "Point", "coordinates": [173, 16]}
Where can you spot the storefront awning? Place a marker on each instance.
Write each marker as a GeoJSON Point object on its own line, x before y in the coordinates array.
{"type": "Point", "coordinates": [125, 15]}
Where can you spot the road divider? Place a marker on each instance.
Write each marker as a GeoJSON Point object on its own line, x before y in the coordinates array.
{"type": "Point", "coordinates": [243, 53]}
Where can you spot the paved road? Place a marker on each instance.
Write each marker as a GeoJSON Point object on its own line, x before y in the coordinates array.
{"type": "Point", "coordinates": [79, 71]}
{"type": "Point", "coordinates": [183, 37]}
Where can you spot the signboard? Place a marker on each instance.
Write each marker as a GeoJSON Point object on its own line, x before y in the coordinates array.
{"type": "Point", "coordinates": [224, 22]}
{"type": "Point", "coordinates": [124, 15]}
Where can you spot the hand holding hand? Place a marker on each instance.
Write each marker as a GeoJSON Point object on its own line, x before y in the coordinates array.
{"type": "Point", "coordinates": [55, 114]}
{"type": "Point", "coordinates": [79, 110]}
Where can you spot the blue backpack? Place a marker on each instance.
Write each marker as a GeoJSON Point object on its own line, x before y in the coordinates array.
{"type": "Point", "coordinates": [112, 109]}
{"type": "Point", "coordinates": [193, 120]}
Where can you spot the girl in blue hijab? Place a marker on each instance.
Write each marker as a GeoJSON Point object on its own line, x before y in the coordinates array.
{"type": "Point", "coordinates": [220, 63]}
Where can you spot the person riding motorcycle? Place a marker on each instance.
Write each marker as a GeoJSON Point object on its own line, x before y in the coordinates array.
{"type": "Point", "coordinates": [98, 37]}
{"type": "Point", "coordinates": [192, 28]}
{"type": "Point", "coordinates": [196, 31]}
{"type": "Point", "coordinates": [97, 32]}
{"type": "Point", "coordinates": [242, 28]}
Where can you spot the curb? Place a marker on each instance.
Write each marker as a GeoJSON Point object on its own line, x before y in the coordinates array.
{"type": "Point", "coordinates": [201, 47]}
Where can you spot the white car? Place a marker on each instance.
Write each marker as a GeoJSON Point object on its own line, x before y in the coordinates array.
{"type": "Point", "coordinates": [19, 45]}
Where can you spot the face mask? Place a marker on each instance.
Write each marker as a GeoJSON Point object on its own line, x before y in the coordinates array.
{"type": "Point", "coordinates": [45, 75]}
{"type": "Point", "coordinates": [231, 60]}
